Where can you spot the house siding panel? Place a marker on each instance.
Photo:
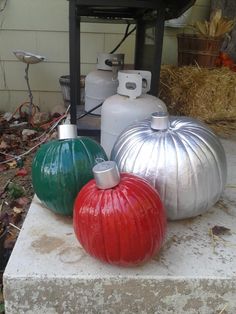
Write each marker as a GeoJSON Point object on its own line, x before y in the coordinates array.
{"type": "Point", "coordinates": [42, 27]}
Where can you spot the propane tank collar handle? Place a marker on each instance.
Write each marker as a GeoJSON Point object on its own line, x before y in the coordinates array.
{"type": "Point", "coordinates": [116, 65]}
{"type": "Point", "coordinates": [105, 61]}
{"type": "Point", "coordinates": [134, 83]}
{"type": "Point", "coordinates": [67, 131]}
{"type": "Point", "coordinates": [160, 121]}
{"type": "Point", "coordinates": [106, 175]}
{"type": "Point", "coordinates": [108, 62]}
{"type": "Point", "coordinates": [130, 84]}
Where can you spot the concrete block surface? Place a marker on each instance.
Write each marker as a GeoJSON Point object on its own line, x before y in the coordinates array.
{"type": "Point", "coordinates": [50, 273]}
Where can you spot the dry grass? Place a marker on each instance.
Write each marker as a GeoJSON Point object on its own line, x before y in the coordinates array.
{"type": "Point", "coordinates": [205, 94]}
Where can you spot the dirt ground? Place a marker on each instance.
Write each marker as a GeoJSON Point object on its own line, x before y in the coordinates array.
{"type": "Point", "coordinates": [11, 214]}
{"type": "Point", "coordinates": [16, 190]}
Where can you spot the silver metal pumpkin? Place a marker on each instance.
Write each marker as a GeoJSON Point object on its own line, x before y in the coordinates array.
{"type": "Point", "coordinates": [180, 157]}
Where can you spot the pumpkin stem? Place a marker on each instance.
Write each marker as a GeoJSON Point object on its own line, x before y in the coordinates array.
{"type": "Point", "coordinates": [106, 175]}
{"type": "Point", "coordinates": [67, 131]}
{"type": "Point", "coordinates": [160, 121]}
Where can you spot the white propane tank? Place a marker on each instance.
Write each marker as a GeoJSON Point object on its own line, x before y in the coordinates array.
{"type": "Point", "coordinates": [103, 82]}
{"type": "Point", "coordinates": [129, 105]}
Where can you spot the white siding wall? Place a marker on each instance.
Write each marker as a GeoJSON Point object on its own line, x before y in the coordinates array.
{"type": "Point", "coordinates": [42, 27]}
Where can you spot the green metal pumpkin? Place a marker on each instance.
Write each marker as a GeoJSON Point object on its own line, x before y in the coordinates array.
{"type": "Point", "coordinates": [62, 167]}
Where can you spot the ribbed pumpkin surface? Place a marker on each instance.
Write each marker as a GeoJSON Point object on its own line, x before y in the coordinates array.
{"type": "Point", "coordinates": [124, 225]}
{"type": "Point", "coordinates": [61, 168]}
{"type": "Point", "coordinates": [185, 163]}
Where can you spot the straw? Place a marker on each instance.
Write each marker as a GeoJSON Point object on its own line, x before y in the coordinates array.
{"type": "Point", "coordinates": [205, 94]}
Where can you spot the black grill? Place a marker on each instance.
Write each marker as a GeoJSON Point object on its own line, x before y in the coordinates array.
{"type": "Point", "coordinates": [145, 14]}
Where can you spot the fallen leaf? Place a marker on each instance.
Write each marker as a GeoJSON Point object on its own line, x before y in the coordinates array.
{"type": "Point", "coordinates": [12, 164]}
{"type": "Point", "coordinates": [16, 218]}
{"type": "Point", "coordinates": [218, 230]}
{"type": "Point", "coordinates": [15, 190]}
{"type": "Point", "coordinates": [3, 167]}
{"type": "Point", "coordinates": [2, 229]}
{"type": "Point", "coordinates": [3, 190]}
{"type": "Point", "coordinates": [21, 172]}
{"type": "Point", "coordinates": [7, 116]}
{"type": "Point", "coordinates": [27, 134]}
{"type": "Point", "coordinates": [4, 218]}
{"type": "Point", "coordinates": [3, 145]}
{"type": "Point", "coordinates": [17, 210]}
{"type": "Point", "coordinates": [11, 238]}
{"type": "Point", "coordinates": [22, 201]}
{"type": "Point", "coordinates": [2, 308]}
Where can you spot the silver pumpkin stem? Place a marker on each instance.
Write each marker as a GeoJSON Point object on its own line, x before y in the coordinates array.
{"type": "Point", "coordinates": [160, 121]}
{"type": "Point", "coordinates": [67, 131]}
{"type": "Point", "coordinates": [106, 175]}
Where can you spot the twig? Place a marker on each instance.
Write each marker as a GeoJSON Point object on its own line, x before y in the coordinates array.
{"type": "Point", "coordinates": [197, 65]}
{"type": "Point", "coordinates": [165, 84]}
{"type": "Point", "coordinates": [41, 142]}
{"type": "Point", "coordinates": [6, 185]}
{"type": "Point", "coordinates": [215, 238]}
{"type": "Point", "coordinates": [224, 308]}
{"type": "Point", "coordinates": [226, 243]}
{"type": "Point", "coordinates": [14, 226]}
{"type": "Point", "coordinates": [25, 153]}
{"type": "Point", "coordinates": [6, 154]}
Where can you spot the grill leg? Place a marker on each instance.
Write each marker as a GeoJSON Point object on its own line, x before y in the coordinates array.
{"type": "Point", "coordinates": [74, 38]}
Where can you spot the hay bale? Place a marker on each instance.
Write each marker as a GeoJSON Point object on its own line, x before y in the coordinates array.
{"type": "Point", "coordinates": [205, 94]}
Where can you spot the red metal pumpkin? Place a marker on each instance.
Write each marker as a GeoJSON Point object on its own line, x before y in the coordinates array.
{"type": "Point", "coordinates": [119, 219]}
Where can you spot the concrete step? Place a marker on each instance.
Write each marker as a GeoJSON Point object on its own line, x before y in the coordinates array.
{"type": "Point", "coordinates": [50, 273]}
